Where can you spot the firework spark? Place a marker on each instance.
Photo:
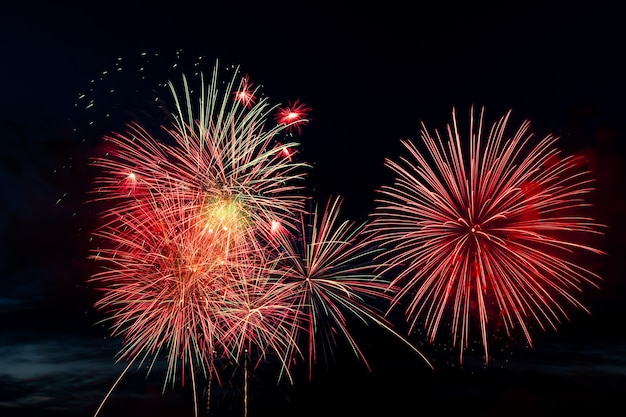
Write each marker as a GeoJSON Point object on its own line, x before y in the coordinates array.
{"type": "Point", "coordinates": [484, 231]}
{"type": "Point", "coordinates": [294, 115]}
{"type": "Point", "coordinates": [246, 94]}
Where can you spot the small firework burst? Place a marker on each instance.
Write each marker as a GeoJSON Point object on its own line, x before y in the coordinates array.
{"type": "Point", "coordinates": [246, 94]}
{"type": "Point", "coordinates": [294, 115]}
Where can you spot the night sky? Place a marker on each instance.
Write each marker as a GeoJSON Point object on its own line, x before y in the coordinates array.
{"type": "Point", "coordinates": [371, 74]}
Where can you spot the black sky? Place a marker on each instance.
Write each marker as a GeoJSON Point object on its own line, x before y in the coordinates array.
{"type": "Point", "coordinates": [371, 73]}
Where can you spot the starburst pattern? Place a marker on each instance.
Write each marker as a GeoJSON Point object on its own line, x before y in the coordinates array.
{"type": "Point", "coordinates": [293, 116]}
{"type": "Point", "coordinates": [328, 269]}
{"type": "Point", "coordinates": [246, 93]}
{"type": "Point", "coordinates": [486, 230]}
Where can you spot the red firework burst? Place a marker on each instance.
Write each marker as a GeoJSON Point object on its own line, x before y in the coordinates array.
{"type": "Point", "coordinates": [206, 249]}
{"type": "Point", "coordinates": [188, 233]}
{"type": "Point", "coordinates": [294, 115]}
{"type": "Point", "coordinates": [484, 231]}
{"type": "Point", "coordinates": [261, 315]}
{"type": "Point", "coordinates": [245, 95]}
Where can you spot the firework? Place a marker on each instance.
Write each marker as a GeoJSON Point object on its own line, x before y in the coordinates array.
{"type": "Point", "coordinates": [293, 116]}
{"type": "Point", "coordinates": [207, 251]}
{"type": "Point", "coordinates": [246, 93]}
{"type": "Point", "coordinates": [189, 219]}
{"type": "Point", "coordinates": [485, 231]}
{"type": "Point", "coordinates": [328, 269]}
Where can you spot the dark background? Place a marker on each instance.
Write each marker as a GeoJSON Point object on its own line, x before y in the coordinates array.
{"type": "Point", "coordinates": [371, 73]}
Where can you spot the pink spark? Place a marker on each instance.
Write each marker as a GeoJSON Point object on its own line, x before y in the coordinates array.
{"type": "Point", "coordinates": [245, 95]}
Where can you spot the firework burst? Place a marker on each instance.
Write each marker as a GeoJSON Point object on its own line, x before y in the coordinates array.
{"type": "Point", "coordinates": [209, 254]}
{"type": "Point", "coordinates": [293, 116]}
{"type": "Point", "coordinates": [327, 268]}
{"type": "Point", "coordinates": [190, 218]}
{"type": "Point", "coordinates": [485, 231]}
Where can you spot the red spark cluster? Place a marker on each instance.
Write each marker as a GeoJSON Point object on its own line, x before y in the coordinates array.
{"type": "Point", "coordinates": [293, 116]}
{"type": "Point", "coordinates": [246, 94]}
